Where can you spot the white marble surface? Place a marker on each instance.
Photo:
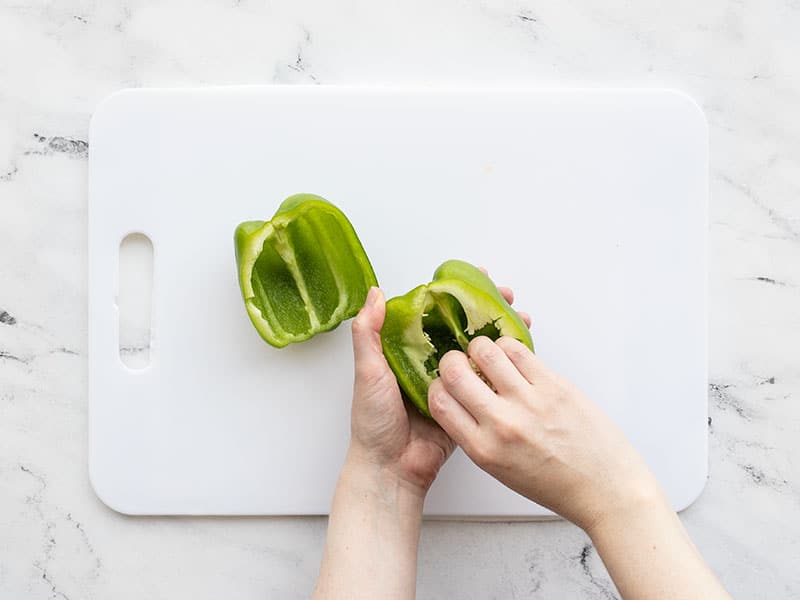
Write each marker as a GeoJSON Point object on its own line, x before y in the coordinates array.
{"type": "Point", "coordinates": [58, 59]}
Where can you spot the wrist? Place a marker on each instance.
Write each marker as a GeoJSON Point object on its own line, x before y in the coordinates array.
{"type": "Point", "coordinates": [642, 503]}
{"type": "Point", "coordinates": [378, 483]}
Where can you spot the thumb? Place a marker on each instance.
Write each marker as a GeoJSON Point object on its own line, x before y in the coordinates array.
{"type": "Point", "coordinates": [367, 332]}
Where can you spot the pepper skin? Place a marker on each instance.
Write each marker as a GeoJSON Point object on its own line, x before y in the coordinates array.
{"type": "Point", "coordinates": [303, 272]}
{"type": "Point", "coordinates": [461, 303]}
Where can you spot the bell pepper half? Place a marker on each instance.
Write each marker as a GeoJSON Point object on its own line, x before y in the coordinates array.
{"type": "Point", "coordinates": [461, 303]}
{"type": "Point", "coordinates": [303, 272]}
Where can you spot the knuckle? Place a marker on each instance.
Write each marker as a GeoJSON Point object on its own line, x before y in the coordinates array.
{"type": "Point", "coordinates": [553, 392]}
{"type": "Point", "coordinates": [370, 378]}
{"type": "Point", "coordinates": [481, 453]}
{"type": "Point", "coordinates": [359, 325]}
{"type": "Point", "coordinates": [483, 349]}
{"type": "Point", "coordinates": [547, 452]}
{"type": "Point", "coordinates": [546, 410]}
{"type": "Point", "coordinates": [491, 456]}
{"type": "Point", "coordinates": [517, 355]}
{"type": "Point", "coordinates": [512, 347]}
{"type": "Point", "coordinates": [549, 455]}
{"type": "Point", "coordinates": [520, 352]}
{"type": "Point", "coordinates": [507, 431]}
{"type": "Point", "coordinates": [450, 369]}
{"type": "Point", "coordinates": [437, 400]}
{"type": "Point", "coordinates": [505, 342]}
{"type": "Point", "coordinates": [453, 376]}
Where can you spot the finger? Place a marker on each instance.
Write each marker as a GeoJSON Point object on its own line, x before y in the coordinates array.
{"type": "Point", "coordinates": [428, 429]}
{"type": "Point", "coordinates": [507, 293]}
{"type": "Point", "coordinates": [496, 366]}
{"type": "Point", "coordinates": [526, 318]}
{"type": "Point", "coordinates": [525, 361]}
{"type": "Point", "coordinates": [366, 330]}
{"type": "Point", "coordinates": [463, 384]}
{"type": "Point", "coordinates": [451, 415]}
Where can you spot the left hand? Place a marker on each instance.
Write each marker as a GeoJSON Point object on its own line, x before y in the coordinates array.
{"type": "Point", "coordinates": [384, 432]}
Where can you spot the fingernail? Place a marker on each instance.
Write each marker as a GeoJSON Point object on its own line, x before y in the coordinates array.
{"type": "Point", "coordinates": [372, 296]}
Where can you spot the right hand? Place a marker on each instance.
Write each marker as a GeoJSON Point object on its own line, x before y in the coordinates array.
{"type": "Point", "coordinates": [538, 434]}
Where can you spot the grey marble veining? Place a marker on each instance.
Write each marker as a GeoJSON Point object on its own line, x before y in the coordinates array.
{"type": "Point", "coordinates": [57, 60]}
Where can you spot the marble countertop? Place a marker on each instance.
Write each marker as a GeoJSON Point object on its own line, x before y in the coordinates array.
{"type": "Point", "coordinates": [57, 60]}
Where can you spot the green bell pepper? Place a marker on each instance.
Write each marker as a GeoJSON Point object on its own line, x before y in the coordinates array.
{"type": "Point", "coordinates": [461, 303]}
{"type": "Point", "coordinates": [303, 272]}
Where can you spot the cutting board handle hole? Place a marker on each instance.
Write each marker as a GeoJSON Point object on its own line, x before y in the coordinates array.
{"type": "Point", "coordinates": [135, 300]}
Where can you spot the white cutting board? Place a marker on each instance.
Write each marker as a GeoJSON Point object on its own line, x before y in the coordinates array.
{"type": "Point", "coordinates": [591, 204]}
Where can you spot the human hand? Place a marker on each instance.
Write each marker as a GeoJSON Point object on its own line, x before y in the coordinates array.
{"type": "Point", "coordinates": [537, 433]}
{"type": "Point", "coordinates": [385, 431]}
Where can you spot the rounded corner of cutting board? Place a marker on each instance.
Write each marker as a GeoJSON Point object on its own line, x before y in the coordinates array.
{"type": "Point", "coordinates": [693, 492]}
{"type": "Point", "coordinates": [686, 104]}
{"type": "Point", "coordinates": [107, 109]}
{"type": "Point", "coordinates": [109, 102]}
{"type": "Point", "coordinates": [106, 493]}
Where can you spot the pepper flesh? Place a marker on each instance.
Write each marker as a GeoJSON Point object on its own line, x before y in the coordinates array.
{"type": "Point", "coordinates": [461, 303]}
{"type": "Point", "coordinates": [303, 272]}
